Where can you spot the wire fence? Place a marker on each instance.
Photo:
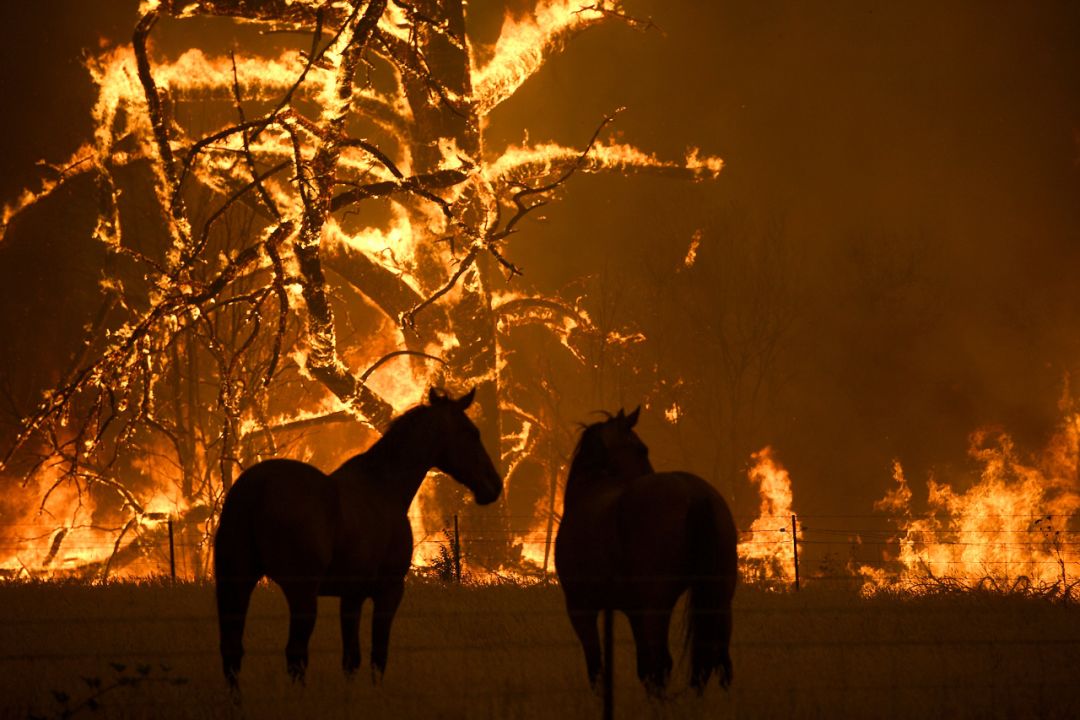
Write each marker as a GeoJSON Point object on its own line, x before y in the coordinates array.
{"type": "Point", "coordinates": [825, 653]}
{"type": "Point", "coordinates": [1033, 550]}
{"type": "Point", "coordinates": [481, 658]}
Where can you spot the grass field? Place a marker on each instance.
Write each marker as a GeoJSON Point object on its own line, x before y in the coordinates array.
{"type": "Point", "coordinates": [508, 652]}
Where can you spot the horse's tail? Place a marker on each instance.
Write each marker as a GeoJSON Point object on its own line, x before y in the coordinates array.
{"type": "Point", "coordinates": [713, 570]}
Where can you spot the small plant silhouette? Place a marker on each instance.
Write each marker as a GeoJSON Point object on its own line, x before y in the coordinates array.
{"type": "Point", "coordinates": [448, 565]}
{"type": "Point", "coordinates": [68, 705]}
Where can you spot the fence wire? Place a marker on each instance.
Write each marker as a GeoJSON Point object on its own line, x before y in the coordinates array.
{"type": "Point", "coordinates": [1006, 554]}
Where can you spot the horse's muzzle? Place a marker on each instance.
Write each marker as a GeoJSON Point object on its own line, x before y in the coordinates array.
{"type": "Point", "coordinates": [490, 492]}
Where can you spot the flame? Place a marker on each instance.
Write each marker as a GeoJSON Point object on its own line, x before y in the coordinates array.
{"type": "Point", "coordinates": [692, 251]}
{"type": "Point", "coordinates": [1014, 525]}
{"type": "Point", "coordinates": [401, 382]}
{"type": "Point", "coordinates": [124, 136]}
{"type": "Point", "coordinates": [519, 161]}
{"type": "Point", "coordinates": [393, 246]}
{"type": "Point", "coordinates": [427, 527]}
{"type": "Point", "coordinates": [766, 551]}
{"type": "Point", "coordinates": [707, 165]}
{"type": "Point", "coordinates": [525, 44]}
{"type": "Point", "coordinates": [68, 535]}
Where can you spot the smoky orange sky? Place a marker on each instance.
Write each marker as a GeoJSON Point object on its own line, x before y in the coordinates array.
{"type": "Point", "coordinates": [922, 160]}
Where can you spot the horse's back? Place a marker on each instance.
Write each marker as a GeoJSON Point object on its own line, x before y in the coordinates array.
{"type": "Point", "coordinates": [279, 518]}
{"type": "Point", "coordinates": [664, 520]}
{"type": "Point", "coordinates": [666, 497]}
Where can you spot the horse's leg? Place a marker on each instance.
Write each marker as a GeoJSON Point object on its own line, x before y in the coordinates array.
{"type": "Point", "coordinates": [641, 647]}
{"type": "Point", "coordinates": [303, 602]}
{"type": "Point", "coordinates": [387, 599]}
{"type": "Point", "coordinates": [233, 596]}
{"type": "Point", "coordinates": [351, 605]}
{"type": "Point", "coordinates": [657, 626]}
{"type": "Point", "coordinates": [650, 627]}
{"type": "Point", "coordinates": [583, 621]}
{"type": "Point", "coordinates": [728, 673]}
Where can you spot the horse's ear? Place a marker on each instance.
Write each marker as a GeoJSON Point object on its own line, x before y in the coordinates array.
{"type": "Point", "coordinates": [621, 415]}
{"type": "Point", "coordinates": [435, 397]}
{"type": "Point", "coordinates": [466, 400]}
{"type": "Point", "coordinates": [632, 418]}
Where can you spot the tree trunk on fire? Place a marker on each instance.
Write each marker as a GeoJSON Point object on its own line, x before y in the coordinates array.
{"type": "Point", "coordinates": [442, 121]}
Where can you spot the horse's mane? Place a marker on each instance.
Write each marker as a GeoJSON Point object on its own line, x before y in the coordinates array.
{"type": "Point", "coordinates": [405, 419]}
{"type": "Point", "coordinates": [391, 440]}
{"type": "Point", "coordinates": [589, 454]}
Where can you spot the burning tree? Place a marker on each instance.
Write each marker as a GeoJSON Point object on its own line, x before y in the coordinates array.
{"type": "Point", "coordinates": [296, 236]}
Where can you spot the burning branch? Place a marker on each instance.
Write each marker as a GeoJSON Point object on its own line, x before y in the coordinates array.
{"type": "Point", "coordinates": [262, 253]}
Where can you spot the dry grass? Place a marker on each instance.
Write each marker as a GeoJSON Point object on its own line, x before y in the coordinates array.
{"type": "Point", "coordinates": [508, 652]}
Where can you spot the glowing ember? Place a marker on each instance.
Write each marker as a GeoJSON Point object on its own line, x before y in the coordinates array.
{"type": "Point", "coordinates": [692, 251]}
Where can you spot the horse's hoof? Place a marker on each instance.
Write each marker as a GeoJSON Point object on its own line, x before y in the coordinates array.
{"type": "Point", "coordinates": [656, 690]}
{"type": "Point", "coordinates": [297, 673]}
{"type": "Point", "coordinates": [377, 675]}
{"type": "Point", "coordinates": [350, 666]}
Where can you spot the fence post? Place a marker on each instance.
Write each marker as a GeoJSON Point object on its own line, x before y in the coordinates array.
{"type": "Point", "coordinates": [609, 664]}
{"type": "Point", "coordinates": [172, 553]}
{"type": "Point", "coordinates": [795, 548]}
{"type": "Point", "coordinates": [457, 551]}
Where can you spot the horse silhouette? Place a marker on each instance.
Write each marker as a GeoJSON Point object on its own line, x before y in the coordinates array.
{"type": "Point", "coordinates": [635, 540]}
{"type": "Point", "coordinates": [346, 534]}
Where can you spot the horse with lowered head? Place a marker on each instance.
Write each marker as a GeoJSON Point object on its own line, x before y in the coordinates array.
{"type": "Point", "coordinates": [346, 534]}
{"type": "Point", "coordinates": [635, 540]}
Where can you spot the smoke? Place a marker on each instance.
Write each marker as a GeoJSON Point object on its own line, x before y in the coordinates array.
{"type": "Point", "coordinates": [914, 166]}
{"type": "Point", "coordinates": [923, 161]}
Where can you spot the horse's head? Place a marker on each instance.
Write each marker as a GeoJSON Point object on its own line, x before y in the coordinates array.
{"type": "Point", "coordinates": [611, 446]}
{"type": "Point", "coordinates": [461, 454]}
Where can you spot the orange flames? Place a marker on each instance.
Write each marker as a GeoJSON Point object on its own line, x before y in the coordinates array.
{"type": "Point", "coordinates": [523, 46]}
{"type": "Point", "coordinates": [70, 532]}
{"type": "Point", "coordinates": [1013, 527]}
{"type": "Point", "coordinates": [765, 551]}
{"type": "Point", "coordinates": [68, 535]}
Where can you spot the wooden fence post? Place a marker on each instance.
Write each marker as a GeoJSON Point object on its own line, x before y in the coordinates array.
{"type": "Point", "coordinates": [457, 551]}
{"type": "Point", "coordinates": [609, 664]}
{"type": "Point", "coordinates": [795, 549]}
{"type": "Point", "coordinates": [172, 553]}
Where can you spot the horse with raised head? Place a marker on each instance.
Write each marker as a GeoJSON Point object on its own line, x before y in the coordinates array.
{"type": "Point", "coordinates": [346, 534]}
{"type": "Point", "coordinates": [635, 540]}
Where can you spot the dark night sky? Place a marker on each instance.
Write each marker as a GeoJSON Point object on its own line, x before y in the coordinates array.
{"type": "Point", "coordinates": [924, 159]}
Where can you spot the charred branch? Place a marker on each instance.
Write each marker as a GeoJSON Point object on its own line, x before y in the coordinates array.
{"type": "Point", "coordinates": [306, 423]}
{"type": "Point", "coordinates": [323, 362]}
{"type": "Point", "coordinates": [420, 185]}
{"type": "Point", "coordinates": [524, 191]}
{"type": "Point", "coordinates": [284, 13]}
{"type": "Point", "coordinates": [160, 124]}
{"type": "Point", "coordinates": [408, 319]}
{"type": "Point", "coordinates": [194, 374]}
{"type": "Point", "coordinates": [387, 290]}
{"type": "Point", "coordinates": [396, 354]}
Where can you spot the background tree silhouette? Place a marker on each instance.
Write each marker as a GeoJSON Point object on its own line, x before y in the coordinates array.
{"type": "Point", "coordinates": [298, 234]}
